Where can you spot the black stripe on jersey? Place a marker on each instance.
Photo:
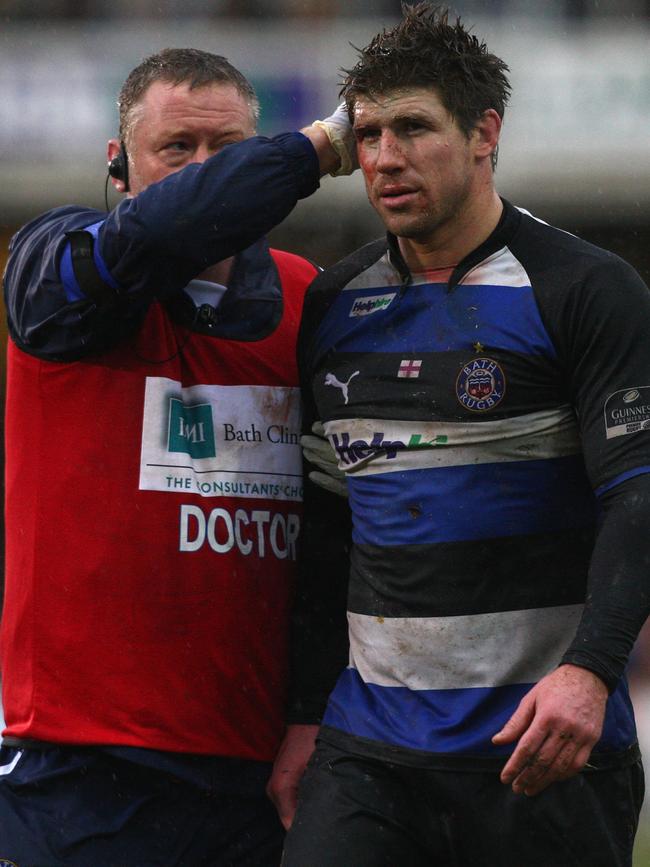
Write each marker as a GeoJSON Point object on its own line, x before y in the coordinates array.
{"type": "Point", "coordinates": [473, 577]}
{"type": "Point", "coordinates": [532, 385]}
{"type": "Point", "coordinates": [358, 746]}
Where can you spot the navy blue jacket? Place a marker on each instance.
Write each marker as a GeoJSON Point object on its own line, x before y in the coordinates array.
{"type": "Point", "coordinates": [152, 245]}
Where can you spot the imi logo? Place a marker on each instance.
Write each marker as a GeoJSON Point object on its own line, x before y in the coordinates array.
{"type": "Point", "coordinates": [191, 429]}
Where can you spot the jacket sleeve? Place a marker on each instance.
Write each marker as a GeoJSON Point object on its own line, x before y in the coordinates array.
{"type": "Point", "coordinates": [149, 246]}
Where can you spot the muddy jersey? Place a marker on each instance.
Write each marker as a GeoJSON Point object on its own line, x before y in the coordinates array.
{"type": "Point", "coordinates": [153, 476]}
{"type": "Point", "coordinates": [482, 416]}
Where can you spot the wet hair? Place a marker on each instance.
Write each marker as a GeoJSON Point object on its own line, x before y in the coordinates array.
{"type": "Point", "coordinates": [179, 66]}
{"type": "Point", "coordinates": [425, 50]}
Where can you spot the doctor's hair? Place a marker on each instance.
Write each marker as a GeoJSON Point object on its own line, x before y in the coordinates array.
{"type": "Point", "coordinates": [425, 50]}
{"type": "Point", "coordinates": [179, 66]}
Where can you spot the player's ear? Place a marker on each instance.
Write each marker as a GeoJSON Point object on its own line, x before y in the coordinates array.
{"type": "Point", "coordinates": [485, 135]}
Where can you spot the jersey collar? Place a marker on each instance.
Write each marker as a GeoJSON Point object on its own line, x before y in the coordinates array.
{"type": "Point", "coordinates": [502, 234]}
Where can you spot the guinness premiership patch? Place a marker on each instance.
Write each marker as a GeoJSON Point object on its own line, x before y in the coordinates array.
{"type": "Point", "coordinates": [627, 411]}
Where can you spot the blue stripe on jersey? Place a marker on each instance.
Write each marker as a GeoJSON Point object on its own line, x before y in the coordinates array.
{"type": "Point", "coordinates": [477, 501]}
{"type": "Point", "coordinates": [630, 474]}
{"type": "Point", "coordinates": [450, 720]}
{"type": "Point", "coordinates": [73, 291]}
{"type": "Point", "coordinates": [428, 318]}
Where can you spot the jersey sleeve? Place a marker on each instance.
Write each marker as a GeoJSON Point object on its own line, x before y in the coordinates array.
{"type": "Point", "coordinates": [618, 592]}
{"type": "Point", "coordinates": [319, 648]}
{"type": "Point", "coordinates": [149, 246]}
{"type": "Point", "coordinates": [602, 330]}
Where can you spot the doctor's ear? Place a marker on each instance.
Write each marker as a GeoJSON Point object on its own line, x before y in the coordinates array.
{"type": "Point", "coordinates": [118, 165]}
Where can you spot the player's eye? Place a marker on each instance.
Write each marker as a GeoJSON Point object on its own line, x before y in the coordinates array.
{"type": "Point", "coordinates": [366, 134]}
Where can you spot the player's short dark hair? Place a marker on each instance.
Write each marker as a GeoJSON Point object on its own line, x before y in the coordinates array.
{"type": "Point", "coordinates": [179, 66]}
{"type": "Point", "coordinates": [425, 50]}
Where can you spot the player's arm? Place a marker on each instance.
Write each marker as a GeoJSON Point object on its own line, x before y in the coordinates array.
{"type": "Point", "coordinates": [560, 720]}
{"type": "Point", "coordinates": [319, 639]}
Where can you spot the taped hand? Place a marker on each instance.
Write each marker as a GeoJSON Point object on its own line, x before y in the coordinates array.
{"type": "Point", "coordinates": [319, 452]}
{"type": "Point", "coordinates": [338, 129]}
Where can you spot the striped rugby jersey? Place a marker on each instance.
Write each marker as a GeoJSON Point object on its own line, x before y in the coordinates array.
{"type": "Point", "coordinates": [478, 414]}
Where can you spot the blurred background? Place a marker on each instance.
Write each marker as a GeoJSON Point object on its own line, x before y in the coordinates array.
{"type": "Point", "coordinates": [575, 147]}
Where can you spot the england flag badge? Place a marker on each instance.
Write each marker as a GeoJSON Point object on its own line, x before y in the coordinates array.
{"type": "Point", "coordinates": [409, 368]}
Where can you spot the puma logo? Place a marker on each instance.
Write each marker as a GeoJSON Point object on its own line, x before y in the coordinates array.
{"type": "Point", "coordinates": [330, 379]}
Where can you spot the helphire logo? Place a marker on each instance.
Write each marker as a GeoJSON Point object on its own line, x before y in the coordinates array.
{"type": "Point", "coordinates": [371, 304]}
{"type": "Point", "coordinates": [191, 429]}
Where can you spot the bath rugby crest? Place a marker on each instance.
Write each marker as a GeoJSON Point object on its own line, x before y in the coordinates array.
{"type": "Point", "coordinates": [481, 385]}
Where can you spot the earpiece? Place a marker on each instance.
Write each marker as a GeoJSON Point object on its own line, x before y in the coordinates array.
{"type": "Point", "coordinates": [118, 167]}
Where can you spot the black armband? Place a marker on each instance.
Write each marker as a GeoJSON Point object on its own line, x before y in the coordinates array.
{"type": "Point", "coordinates": [86, 273]}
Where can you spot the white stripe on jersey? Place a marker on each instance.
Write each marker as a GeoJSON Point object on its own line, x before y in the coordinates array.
{"type": "Point", "coordinates": [541, 435]}
{"type": "Point", "coordinates": [502, 268]}
{"type": "Point", "coordinates": [478, 650]}
{"type": "Point", "coordinates": [382, 275]}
